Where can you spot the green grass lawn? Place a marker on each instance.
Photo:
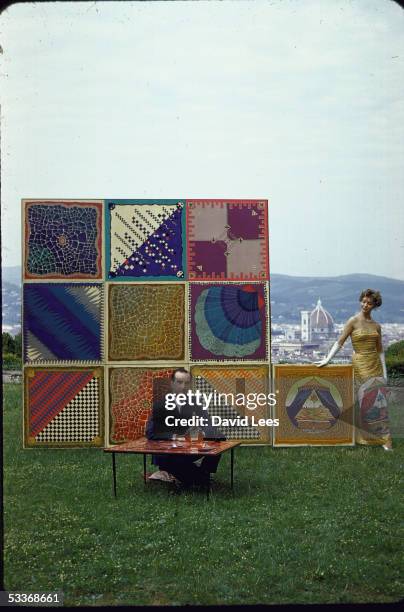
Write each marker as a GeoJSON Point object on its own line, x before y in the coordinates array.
{"type": "Point", "coordinates": [306, 525]}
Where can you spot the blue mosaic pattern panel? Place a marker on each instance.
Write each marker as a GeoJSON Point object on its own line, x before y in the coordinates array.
{"type": "Point", "coordinates": [63, 240]}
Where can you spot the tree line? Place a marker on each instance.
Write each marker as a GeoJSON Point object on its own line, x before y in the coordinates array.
{"type": "Point", "coordinates": [11, 351]}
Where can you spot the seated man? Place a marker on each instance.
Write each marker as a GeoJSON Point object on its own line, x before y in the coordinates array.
{"type": "Point", "coordinates": [182, 467]}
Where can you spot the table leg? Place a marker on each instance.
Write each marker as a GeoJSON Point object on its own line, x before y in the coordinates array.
{"type": "Point", "coordinates": [232, 467]}
{"type": "Point", "coordinates": [144, 468]}
{"type": "Point", "coordinates": [114, 472]}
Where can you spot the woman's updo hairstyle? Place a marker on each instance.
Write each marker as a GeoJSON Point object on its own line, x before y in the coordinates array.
{"type": "Point", "coordinates": [375, 296]}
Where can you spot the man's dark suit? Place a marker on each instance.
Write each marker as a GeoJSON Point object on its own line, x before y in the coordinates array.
{"type": "Point", "coordinates": [156, 428]}
{"type": "Point", "coordinates": [181, 466]}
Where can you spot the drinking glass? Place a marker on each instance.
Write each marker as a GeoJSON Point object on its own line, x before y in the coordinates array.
{"type": "Point", "coordinates": [193, 432]}
{"type": "Point", "coordinates": [193, 438]}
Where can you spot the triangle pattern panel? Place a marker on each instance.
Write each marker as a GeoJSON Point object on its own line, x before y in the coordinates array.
{"type": "Point", "coordinates": [49, 393]}
{"type": "Point", "coordinates": [78, 421]}
{"type": "Point", "coordinates": [146, 240]}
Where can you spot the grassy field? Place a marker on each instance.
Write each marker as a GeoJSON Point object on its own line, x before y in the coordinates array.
{"type": "Point", "coordinates": [306, 525]}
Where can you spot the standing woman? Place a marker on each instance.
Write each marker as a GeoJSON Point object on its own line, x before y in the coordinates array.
{"type": "Point", "coordinates": [370, 373]}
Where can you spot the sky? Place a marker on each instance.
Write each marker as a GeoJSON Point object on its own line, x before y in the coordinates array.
{"type": "Point", "coordinates": [300, 103]}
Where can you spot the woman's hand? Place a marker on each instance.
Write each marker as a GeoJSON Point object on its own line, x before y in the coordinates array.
{"type": "Point", "coordinates": [321, 363]}
{"type": "Point", "coordinates": [383, 362]}
{"type": "Point", "coordinates": [334, 350]}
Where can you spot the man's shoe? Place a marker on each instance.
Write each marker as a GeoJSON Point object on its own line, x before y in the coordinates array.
{"type": "Point", "coordinates": [163, 476]}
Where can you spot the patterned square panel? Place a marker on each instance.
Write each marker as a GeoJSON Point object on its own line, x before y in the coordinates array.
{"type": "Point", "coordinates": [372, 413]}
{"type": "Point", "coordinates": [131, 394]}
{"type": "Point", "coordinates": [238, 400]}
{"type": "Point", "coordinates": [63, 239]}
{"type": "Point", "coordinates": [314, 405]}
{"type": "Point", "coordinates": [228, 321]}
{"type": "Point", "coordinates": [227, 239]}
{"type": "Point", "coordinates": [64, 407]}
{"type": "Point", "coordinates": [63, 322]}
{"type": "Point", "coordinates": [145, 239]}
{"type": "Point", "coordinates": [146, 322]}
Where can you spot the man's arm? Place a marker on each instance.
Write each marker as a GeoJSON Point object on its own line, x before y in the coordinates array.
{"type": "Point", "coordinates": [156, 428]}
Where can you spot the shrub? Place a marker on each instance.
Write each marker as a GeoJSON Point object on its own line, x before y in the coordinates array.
{"type": "Point", "coordinates": [8, 343]}
{"type": "Point", "coordinates": [11, 362]}
{"type": "Point", "coordinates": [395, 359]}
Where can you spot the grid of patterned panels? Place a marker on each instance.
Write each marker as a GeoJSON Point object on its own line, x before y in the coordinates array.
{"type": "Point", "coordinates": [119, 293]}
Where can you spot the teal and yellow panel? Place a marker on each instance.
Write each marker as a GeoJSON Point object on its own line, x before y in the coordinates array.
{"type": "Point", "coordinates": [63, 239]}
{"type": "Point", "coordinates": [64, 407]}
{"type": "Point", "coordinates": [314, 405]}
{"type": "Point", "coordinates": [145, 240]}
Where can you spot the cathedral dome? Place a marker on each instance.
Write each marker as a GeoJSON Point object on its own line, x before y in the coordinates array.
{"type": "Point", "coordinates": [320, 318]}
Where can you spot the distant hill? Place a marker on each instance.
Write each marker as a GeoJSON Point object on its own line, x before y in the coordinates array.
{"type": "Point", "coordinates": [339, 295]}
{"type": "Point", "coordinates": [11, 274]}
{"type": "Point", "coordinates": [11, 304]}
{"type": "Point", "coordinates": [289, 295]}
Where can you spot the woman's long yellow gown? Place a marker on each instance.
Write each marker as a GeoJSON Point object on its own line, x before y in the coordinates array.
{"type": "Point", "coordinates": [372, 426]}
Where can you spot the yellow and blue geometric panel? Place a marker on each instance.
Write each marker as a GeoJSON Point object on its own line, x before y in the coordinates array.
{"type": "Point", "coordinates": [314, 405]}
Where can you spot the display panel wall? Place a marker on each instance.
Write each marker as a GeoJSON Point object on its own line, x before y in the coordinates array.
{"type": "Point", "coordinates": [118, 293]}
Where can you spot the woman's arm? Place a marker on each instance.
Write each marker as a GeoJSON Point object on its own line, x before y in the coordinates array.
{"type": "Point", "coordinates": [347, 331]}
{"type": "Point", "coordinates": [379, 348]}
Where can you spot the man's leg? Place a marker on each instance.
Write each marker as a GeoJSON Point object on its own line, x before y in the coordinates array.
{"type": "Point", "coordinates": [181, 467]}
{"type": "Point", "coordinates": [209, 464]}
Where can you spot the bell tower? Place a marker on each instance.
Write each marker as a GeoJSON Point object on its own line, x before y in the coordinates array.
{"type": "Point", "coordinates": [305, 324]}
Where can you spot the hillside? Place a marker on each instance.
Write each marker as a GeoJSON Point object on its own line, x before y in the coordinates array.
{"type": "Point", "coordinates": [339, 295]}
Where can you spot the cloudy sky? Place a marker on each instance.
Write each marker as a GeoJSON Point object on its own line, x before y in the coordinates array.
{"type": "Point", "coordinates": [300, 103]}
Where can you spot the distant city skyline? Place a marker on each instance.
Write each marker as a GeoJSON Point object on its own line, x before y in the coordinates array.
{"type": "Point", "coordinates": [298, 103]}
